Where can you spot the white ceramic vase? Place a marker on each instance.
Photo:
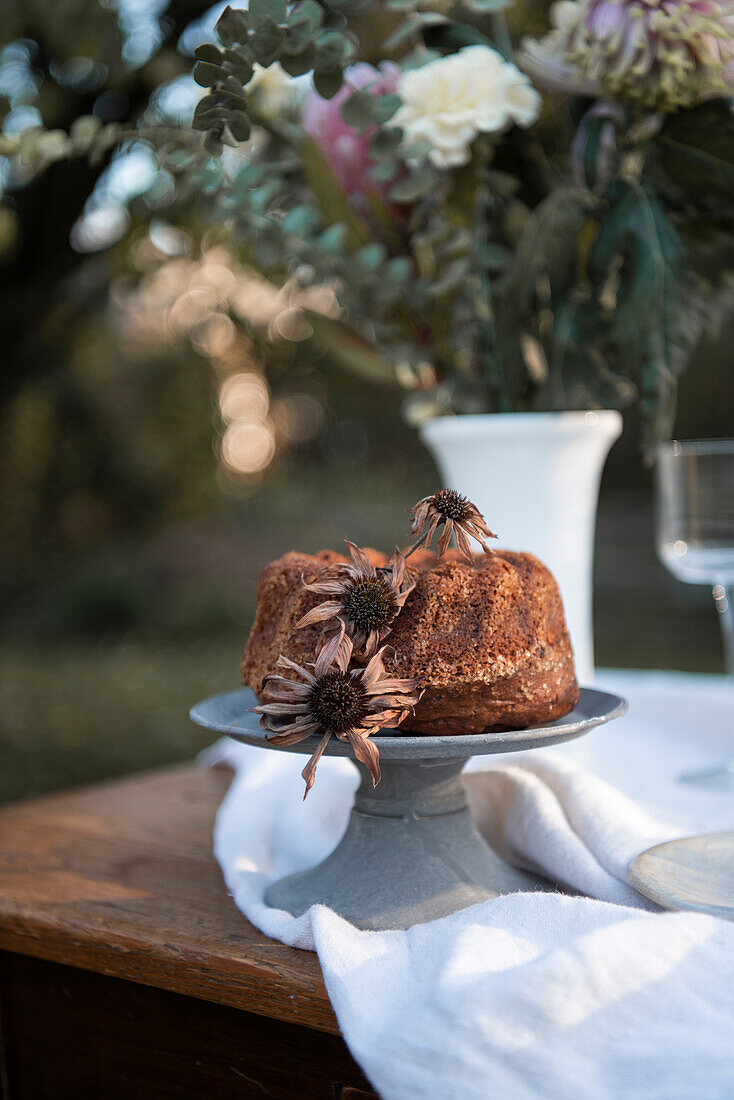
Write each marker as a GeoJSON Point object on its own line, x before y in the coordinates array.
{"type": "Point", "coordinates": [535, 476]}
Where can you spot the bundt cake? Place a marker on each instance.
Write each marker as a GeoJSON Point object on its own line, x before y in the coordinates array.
{"type": "Point", "coordinates": [485, 637]}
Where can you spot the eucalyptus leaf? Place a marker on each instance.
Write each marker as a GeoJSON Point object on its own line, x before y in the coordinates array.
{"type": "Point", "coordinates": [359, 110]}
{"type": "Point", "coordinates": [417, 184]}
{"type": "Point", "coordinates": [300, 220]}
{"type": "Point", "coordinates": [384, 143]}
{"type": "Point", "coordinates": [333, 238]}
{"type": "Point", "coordinates": [416, 151]}
{"type": "Point", "coordinates": [371, 256]}
{"type": "Point", "coordinates": [249, 176]}
{"type": "Point", "coordinates": [208, 52]}
{"type": "Point", "coordinates": [332, 50]}
{"type": "Point", "coordinates": [239, 125]}
{"type": "Point", "coordinates": [385, 107]}
{"type": "Point", "coordinates": [274, 9]}
{"type": "Point", "coordinates": [266, 41]}
{"type": "Point", "coordinates": [232, 26]}
{"type": "Point", "coordinates": [308, 15]}
{"type": "Point", "coordinates": [207, 111]}
{"type": "Point", "coordinates": [399, 269]}
{"type": "Point", "coordinates": [327, 81]}
{"type": "Point", "coordinates": [261, 197]}
{"type": "Point", "coordinates": [385, 171]}
{"type": "Point", "coordinates": [239, 64]}
{"type": "Point", "coordinates": [296, 39]}
{"type": "Point", "coordinates": [206, 74]}
{"type": "Point", "coordinates": [296, 64]}
{"type": "Point", "coordinates": [232, 84]}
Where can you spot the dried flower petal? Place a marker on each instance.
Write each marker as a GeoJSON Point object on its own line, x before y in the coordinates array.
{"type": "Point", "coordinates": [309, 772]}
{"type": "Point", "coordinates": [366, 752]}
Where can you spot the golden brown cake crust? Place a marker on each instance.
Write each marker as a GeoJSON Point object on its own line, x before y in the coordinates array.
{"type": "Point", "coordinates": [488, 640]}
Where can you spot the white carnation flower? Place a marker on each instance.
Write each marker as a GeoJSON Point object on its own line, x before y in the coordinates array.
{"type": "Point", "coordinates": [447, 102]}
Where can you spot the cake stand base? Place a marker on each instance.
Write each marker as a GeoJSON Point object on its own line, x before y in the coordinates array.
{"type": "Point", "coordinates": [410, 854]}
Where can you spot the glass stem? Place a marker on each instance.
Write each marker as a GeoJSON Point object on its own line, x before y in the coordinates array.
{"type": "Point", "coordinates": [723, 603]}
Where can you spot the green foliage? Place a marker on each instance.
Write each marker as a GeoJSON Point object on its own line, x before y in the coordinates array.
{"type": "Point", "coordinates": [268, 31]}
{"type": "Point", "coordinates": [362, 109]}
{"type": "Point", "coordinates": [329, 197]}
{"type": "Point", "coordinates": [37, 148]}
{"type": "Point", "coordinates": [697, 152]}
{"type": "Point", "coordinates": [536, 276]}
{"type": "Point", "coordinates": [352, 350]}
{"type": "Point", "coordinates": [658, 312]}
{"type": "Point", "coordinates": [492, 301]}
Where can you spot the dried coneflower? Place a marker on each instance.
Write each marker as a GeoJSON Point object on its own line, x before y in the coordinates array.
{"type": "Point", "coordinates": [365, 597]}
{"type": "Point", "coordinates": [457, 515]}
{"type": "Point", "coordinates": [337, 701]}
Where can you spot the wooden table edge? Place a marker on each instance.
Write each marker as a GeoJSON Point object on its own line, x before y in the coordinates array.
{"type": "Point", "coordinates": [238, 984]}
{"type": "Point", "coordinates": [238, 980]}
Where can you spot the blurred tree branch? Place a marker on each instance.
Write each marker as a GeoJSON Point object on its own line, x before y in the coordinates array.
{"type": "Point", "coordinates": [33, 314]}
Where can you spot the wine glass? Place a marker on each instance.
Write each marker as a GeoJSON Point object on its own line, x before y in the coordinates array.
{"type": "Point", "coordinates": [695, 537]}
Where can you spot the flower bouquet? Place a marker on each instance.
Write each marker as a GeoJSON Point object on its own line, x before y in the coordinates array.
{"type": "Point", "coordinates": [496, 223]}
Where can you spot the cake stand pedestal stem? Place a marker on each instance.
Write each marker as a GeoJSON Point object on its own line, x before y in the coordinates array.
{"type": "Point", "coordinates": [410, 854]}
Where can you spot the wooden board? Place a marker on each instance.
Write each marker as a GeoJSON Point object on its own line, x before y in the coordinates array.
{"type": "Point", "coordinates": [119, 879]}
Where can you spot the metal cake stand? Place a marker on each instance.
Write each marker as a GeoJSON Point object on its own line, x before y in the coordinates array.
{"type": "Point", "coordinates": [410, 852]}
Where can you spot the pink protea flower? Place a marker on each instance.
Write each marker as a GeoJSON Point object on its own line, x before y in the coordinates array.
{"type": "Point", "coordinates": [657, 54]}
{"type": "Point", "coordinates": [347, 150]}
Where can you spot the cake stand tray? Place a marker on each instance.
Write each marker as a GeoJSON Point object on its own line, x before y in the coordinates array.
{"type": "Point", "coordinates": [410, 852]}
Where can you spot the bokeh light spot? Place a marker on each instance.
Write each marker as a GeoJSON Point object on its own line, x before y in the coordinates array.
{"type": "Point", "coordinates": [244, 396]}
{"type": "Point", "coordinates": [247, 447]}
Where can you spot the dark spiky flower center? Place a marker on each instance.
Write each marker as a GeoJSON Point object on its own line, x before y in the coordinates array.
{"type": "Point", "coordinates": [451, 505]}
{"type": "Point", "coordinates": [370, 603]}
{"type": "Point", "coordinates": [337, 702]}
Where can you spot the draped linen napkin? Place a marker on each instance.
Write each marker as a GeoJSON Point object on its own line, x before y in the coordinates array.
{"type": "Point", "coordinates": [592, 993]}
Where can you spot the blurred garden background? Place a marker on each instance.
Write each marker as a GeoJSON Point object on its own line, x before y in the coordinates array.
{"type": "Point", "coordinates": [168, 426]}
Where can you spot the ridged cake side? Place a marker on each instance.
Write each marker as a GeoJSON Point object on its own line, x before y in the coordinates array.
{"type": "Point", "coordinates": [488, 640]}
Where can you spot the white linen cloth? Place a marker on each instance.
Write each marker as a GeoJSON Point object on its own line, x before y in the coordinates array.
{"type": "Point", "coordinates": [528, 995]}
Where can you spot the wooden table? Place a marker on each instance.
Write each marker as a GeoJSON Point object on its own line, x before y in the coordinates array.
{"type": "Point", "coordinates": [127, 971]}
